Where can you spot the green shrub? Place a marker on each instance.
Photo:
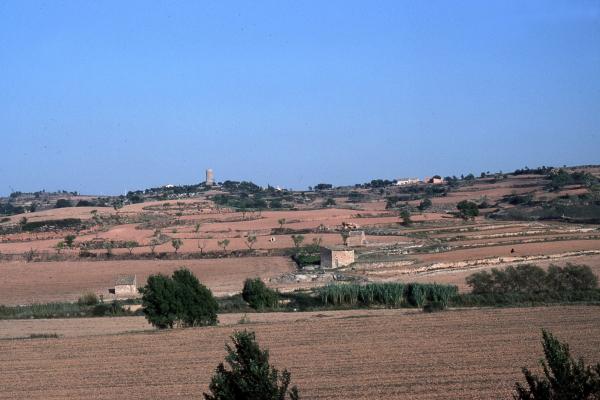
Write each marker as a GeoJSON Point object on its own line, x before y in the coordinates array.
{"type": "Point", "coordinates": [88, 299]}
{"type": "Point", "coordinates": [434, 306]}
{"type": "Point", "coordinates": [258, 295]}
{"type": "Point", "coordinates": [467, 209]}
{"type": "Point", "coordinates": [178, 300]}
{"type": "Point", "coordinates": [250, 376]}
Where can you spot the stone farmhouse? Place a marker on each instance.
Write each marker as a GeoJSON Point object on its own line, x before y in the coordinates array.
{"type": "Point", "coordinates": [356, 238]}
{"type": "Point", "coordinates": [125, 286]}
{"type": "Point", "coordinates": [336, 256]}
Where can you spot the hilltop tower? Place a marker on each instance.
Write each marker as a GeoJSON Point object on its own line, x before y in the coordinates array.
{"type": "Point", "coordinates": [210, 177]}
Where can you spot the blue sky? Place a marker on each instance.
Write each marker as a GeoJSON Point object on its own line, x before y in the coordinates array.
{"type": "Point", "coordinates": [105, 97]}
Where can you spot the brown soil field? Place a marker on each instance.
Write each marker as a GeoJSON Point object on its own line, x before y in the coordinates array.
{"type": "Point", "coordinates": [386, 354]}
{"type": "Point", "coordinates": [61, 213]}
{"type": "Point", "coordinates": [525, 249]}
{"type": "Point", "coordinates": [41, 282]}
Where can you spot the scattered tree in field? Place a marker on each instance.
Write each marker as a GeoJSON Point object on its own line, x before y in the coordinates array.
{"type": "Point", "coordinates": [258, 295]}
{"type": "Point", "coordinates": [176, 243]}
{"type": "Point", "coordinates": [23, 221]}
{"type": "Point", "coordinates": [130, 245]}
{"type": "Point", "coordinates": [201, 245]}
{"type": "Point", "coordinates": [30, 255]}
{"type": "Point", "coordinates": [251, 240]}
{"type": "Point", "coordinates": [405, 216]}
{"type": "Point", "coordinates": [345, 234]}
{"type": "Point", "coordinates": [70, 241]}
{"type": "Point", "coordinates": [329, 202]}
{"type": "Point", "coordinates": [108, 246]}
{"type": "Point", "coordinates": [297, 239]}
{"type": "Point", "coordinates": [250, 376]}
{"type": "Point", "coordinates": [467, 209]}
{"type": "Point", "coordinates": [153, 244]}
{"type": "Point", "coordinates": [281, 222]}
{"type": "Point", "coordinates": [179, 300]}
{"type": "Point", "coordinates": [564, 377]}
{"type": "Point", "coordinates": [223, 243]}
{"type": "Point", "coordinates": [59, 247]}
{"type": "Point", "coordinates": [424, 205]}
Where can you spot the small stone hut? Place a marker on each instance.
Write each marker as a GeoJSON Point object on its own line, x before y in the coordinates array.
{"type": "Point", "coordinates": [336, 256]}
{"type": "Point", "coordinates": [356, 238]}
{"type": "Point", "coordinates": [125, 286]}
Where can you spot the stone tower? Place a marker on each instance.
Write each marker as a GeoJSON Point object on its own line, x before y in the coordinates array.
{"type": "Point", "coordinates": [210, 177]}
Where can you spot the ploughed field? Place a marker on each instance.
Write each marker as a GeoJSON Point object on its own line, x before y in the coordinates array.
{"type": "Point", "coordinates": [360, 354]}
{"type": "Point", "coordinates": [41, 282]}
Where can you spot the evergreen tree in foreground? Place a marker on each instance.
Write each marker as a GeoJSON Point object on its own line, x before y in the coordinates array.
{"type": "Point", "coordinates": [564, 377]}
{"type": "Point", "coordinates": [249, 377]}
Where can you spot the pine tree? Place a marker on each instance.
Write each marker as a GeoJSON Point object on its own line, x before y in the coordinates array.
{"type": "Point", "coordinates": [250, 376]}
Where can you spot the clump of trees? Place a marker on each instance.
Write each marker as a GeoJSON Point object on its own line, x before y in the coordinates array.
{"type": "Point", "coordinates": [467, 209]}
{"type": "Point", "coordinates": [528, 278]}
{"type": "Point", "coordinates": [564, 377]}
{"type": "Point", "coordinates": [63, 203]}
{"type": "Point", "coordinates": [179, 300]}
{"type": "Point", "coordinates": [424, 204]}
{"type": "Point", "coordinates": [258, 295]}
{"type": "Point", "coordinates": [250, 375]}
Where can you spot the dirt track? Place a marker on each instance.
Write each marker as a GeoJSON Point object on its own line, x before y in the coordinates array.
{"type": "Point", "coordinates": [472, 354]}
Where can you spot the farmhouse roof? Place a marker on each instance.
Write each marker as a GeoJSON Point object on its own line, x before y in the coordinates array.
{"type": "Point", "coordinates": [125, 280]}
{"type": "Point", "coordinates": [337, 248]}
{"type": "Point", "coordinates": [356, 233]}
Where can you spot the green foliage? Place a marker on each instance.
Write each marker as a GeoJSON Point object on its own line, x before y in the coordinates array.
{"type": "Point", "coordinates": [51, 224]}
{"type": "Point", "coordinates": [251, 240]}
{"type": "Point", "coordinates": [250, 376]}
{"type": "Point", "coordinates": [88, 299]}
{"type": "Point", "coordinates": [467, 209]}
{"type": "Point", "coordinates": [10, 209]}
{"type": "Point", "coordinates": [385, 294]}
{"type": "Point", "coordinates": [532, 279]}
{"type": "Point", "coordinates": [562, 178]}
{"type": "Point", "coordinates": [130, 245]}
{"type": "Point", "coordinates": [258, 295]}
{"type": "Point", "coordinates": [297, 239]}
{"type": "Point", "coordinates": [62, 203]}
{"type": "Point", "coordinates": [176, 243]}
{"type": "Point", "coordinates": [303, 259]}
{"type": "Point", "coordinates": [223, 243]}
{"type": "Point", "coordinates": [329, 202]}
{"type": "Point", "coordinates": [180, 300]}
{"type": "Point", "coordinates": [564, 377]}
{"type": "Point", "coordinates": [70, 241]}
{"type": "Point", "coordinates": [405, 216]}
{"type": "Point", "coordinates": [323, 186]}
{"type": "Point", "coordinates": [424, 204]}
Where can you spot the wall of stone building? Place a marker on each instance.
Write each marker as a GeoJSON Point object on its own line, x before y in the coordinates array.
{"type": "Point", "coordinates": [357, 240]}
{"type": "Point", "coordinates": [126, 290]}
{"type": "Point", "coordinates": [336, 258]}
